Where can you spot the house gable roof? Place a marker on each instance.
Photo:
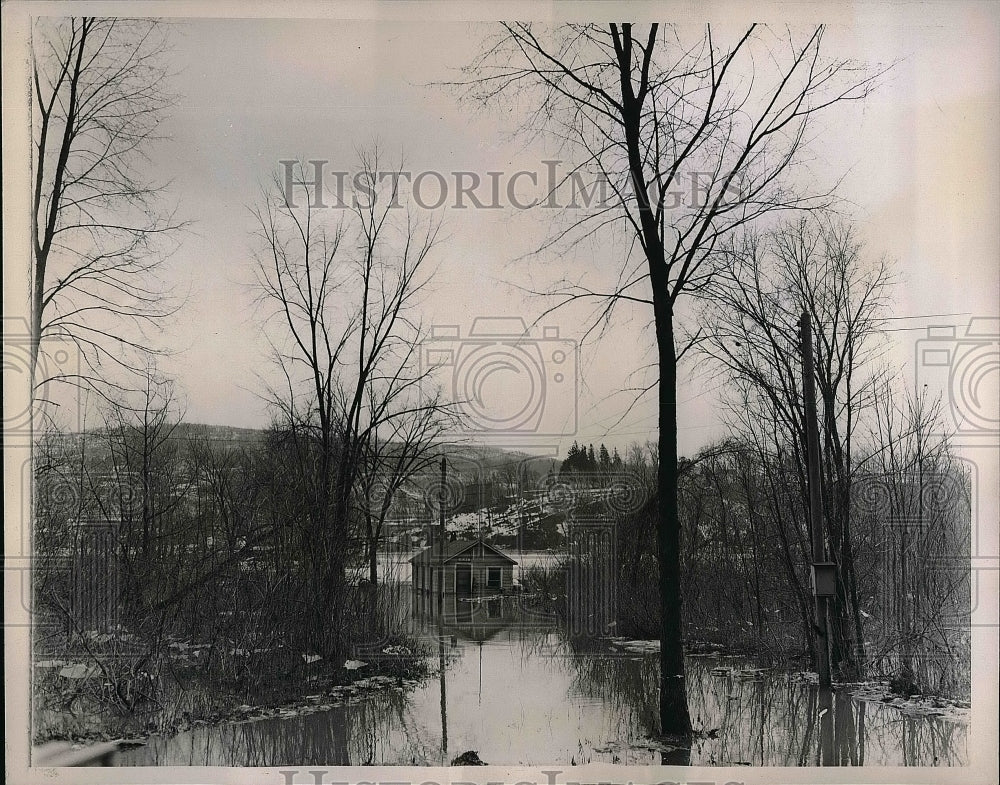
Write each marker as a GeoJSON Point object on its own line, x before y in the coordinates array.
{"type": "Point", "coordinates": [451, 550]}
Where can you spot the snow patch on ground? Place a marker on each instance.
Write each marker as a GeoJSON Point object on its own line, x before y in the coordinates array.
{"type": "Point", "coordinates": [636, 646]}
{"type": "Point", "coordinates": [917, 705]}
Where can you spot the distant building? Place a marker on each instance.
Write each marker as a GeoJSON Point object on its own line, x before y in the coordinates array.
{"type": "Point", "coordinates": [471, 568]}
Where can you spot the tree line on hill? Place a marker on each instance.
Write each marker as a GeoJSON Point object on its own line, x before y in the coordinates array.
{"type": "Point", "coordinates": [583, 459]}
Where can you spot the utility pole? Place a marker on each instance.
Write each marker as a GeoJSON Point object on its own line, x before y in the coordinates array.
{"type": "Point", "coordinates": [820, 567]}
{"type": "Point", "coordinates": [441, 658]}
{"type": "Point", "coordinates": [441, 536]}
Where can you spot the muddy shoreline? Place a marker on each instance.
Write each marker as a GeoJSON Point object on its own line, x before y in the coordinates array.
{"type": "Point", "coordinates": [195, 698]}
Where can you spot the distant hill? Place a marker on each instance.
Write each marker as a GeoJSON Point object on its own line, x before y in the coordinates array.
{"type": "Point", "coordinates": [464, 458]}
{"type": "Point", "coordinates": [218, 433]}
{"type": "Point", "coordinates": [468, 457]}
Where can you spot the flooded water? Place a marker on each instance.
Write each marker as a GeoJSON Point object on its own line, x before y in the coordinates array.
{"type": "Point", "coordinates": [517, 688]}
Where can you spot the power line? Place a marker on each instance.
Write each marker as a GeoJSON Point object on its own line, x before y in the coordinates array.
{"type": "Point", "coordinates": [927, 316]}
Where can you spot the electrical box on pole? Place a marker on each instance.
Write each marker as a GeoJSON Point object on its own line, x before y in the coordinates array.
{"type": "Point", "coordinates": [824, 579]}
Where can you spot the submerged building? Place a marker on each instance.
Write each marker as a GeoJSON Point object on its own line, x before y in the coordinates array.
{"type": "Point", "coordinates": [468, 568]}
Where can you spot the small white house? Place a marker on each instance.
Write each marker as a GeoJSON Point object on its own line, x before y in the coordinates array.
{"type": "Point", "coordinates": [471, 568]}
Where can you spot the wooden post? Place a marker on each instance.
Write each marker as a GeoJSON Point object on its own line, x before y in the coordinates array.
{"type": "Point", "coordinates": [815, 498]}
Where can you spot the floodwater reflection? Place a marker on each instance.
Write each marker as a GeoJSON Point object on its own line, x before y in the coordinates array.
{"type": "Point", "coordinates": [517, 689]}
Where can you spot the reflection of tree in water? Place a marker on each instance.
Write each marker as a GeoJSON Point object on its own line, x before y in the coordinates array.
{"type": "Point", "coordinates": [312, 742]}
{"type": "Point", "coordinates": [888, 737]}
{"type": "Point", "coordinates": [766, 719]}
{"type": "Point", "coordinates": [776, 720]}
{"type": "Point", "coordinates": [627, 686]}
{"type": "Point", "coordinates": [376, 730]}
{"type": "Point", "coordinates": [760, 721]}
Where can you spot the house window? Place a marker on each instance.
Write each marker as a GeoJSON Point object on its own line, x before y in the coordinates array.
{"type": "Point", "coordinates": [493, 578]}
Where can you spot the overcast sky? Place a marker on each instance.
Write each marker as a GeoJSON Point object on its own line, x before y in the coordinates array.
{"type": "Point", "coordinates": [919, 157]}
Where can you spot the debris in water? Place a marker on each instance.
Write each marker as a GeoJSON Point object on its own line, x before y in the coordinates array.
{"type": "Point", "coordinates": [78, 671]}
{"type": "Point", "coordinates": [639, 647]}
{"type": "Point", "coordinates": [468, 758]}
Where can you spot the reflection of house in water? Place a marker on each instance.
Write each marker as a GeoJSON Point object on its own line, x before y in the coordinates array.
{"type": "Point", "coordinates": [469, 578]}
{"type": "Point", "coordinates": [476, 619]}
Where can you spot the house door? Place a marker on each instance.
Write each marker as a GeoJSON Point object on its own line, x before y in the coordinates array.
{"type": "Point", "coordinates": [463, 579]}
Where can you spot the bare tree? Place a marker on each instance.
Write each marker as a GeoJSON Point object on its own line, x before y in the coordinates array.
{"type": "Point", "coordinates": [817, 265]}
{"type": "Point", "coordinates": [298, 276]}
{"type": "Point", "coordinates": [648, 113]}
{"type": "Point", "coordinates": [405, 445]}
{"type": "Point", "coordinates": [146, 470]}
{"type": "Point", "coordinates": [344, 297]}
{"type": "Point", "coordinates": [97, 222]}
{"type": "Point", "coordinates": [913, 501]}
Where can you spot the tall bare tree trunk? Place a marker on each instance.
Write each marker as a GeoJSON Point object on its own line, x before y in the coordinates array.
{"type": "Point", "coordinates": [674, 716]}
{"type": "Point", "coordinates": [647, 114]}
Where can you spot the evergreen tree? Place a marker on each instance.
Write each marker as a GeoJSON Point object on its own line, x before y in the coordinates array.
{"type": "Point", "coordinates": [591, 460]}
{"type": "Point", "coordinates": [604, 460]}
{"type": "Point", "coordinates": [570, 458]}
{"type": "Point", "coordinates": [576, 459]}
